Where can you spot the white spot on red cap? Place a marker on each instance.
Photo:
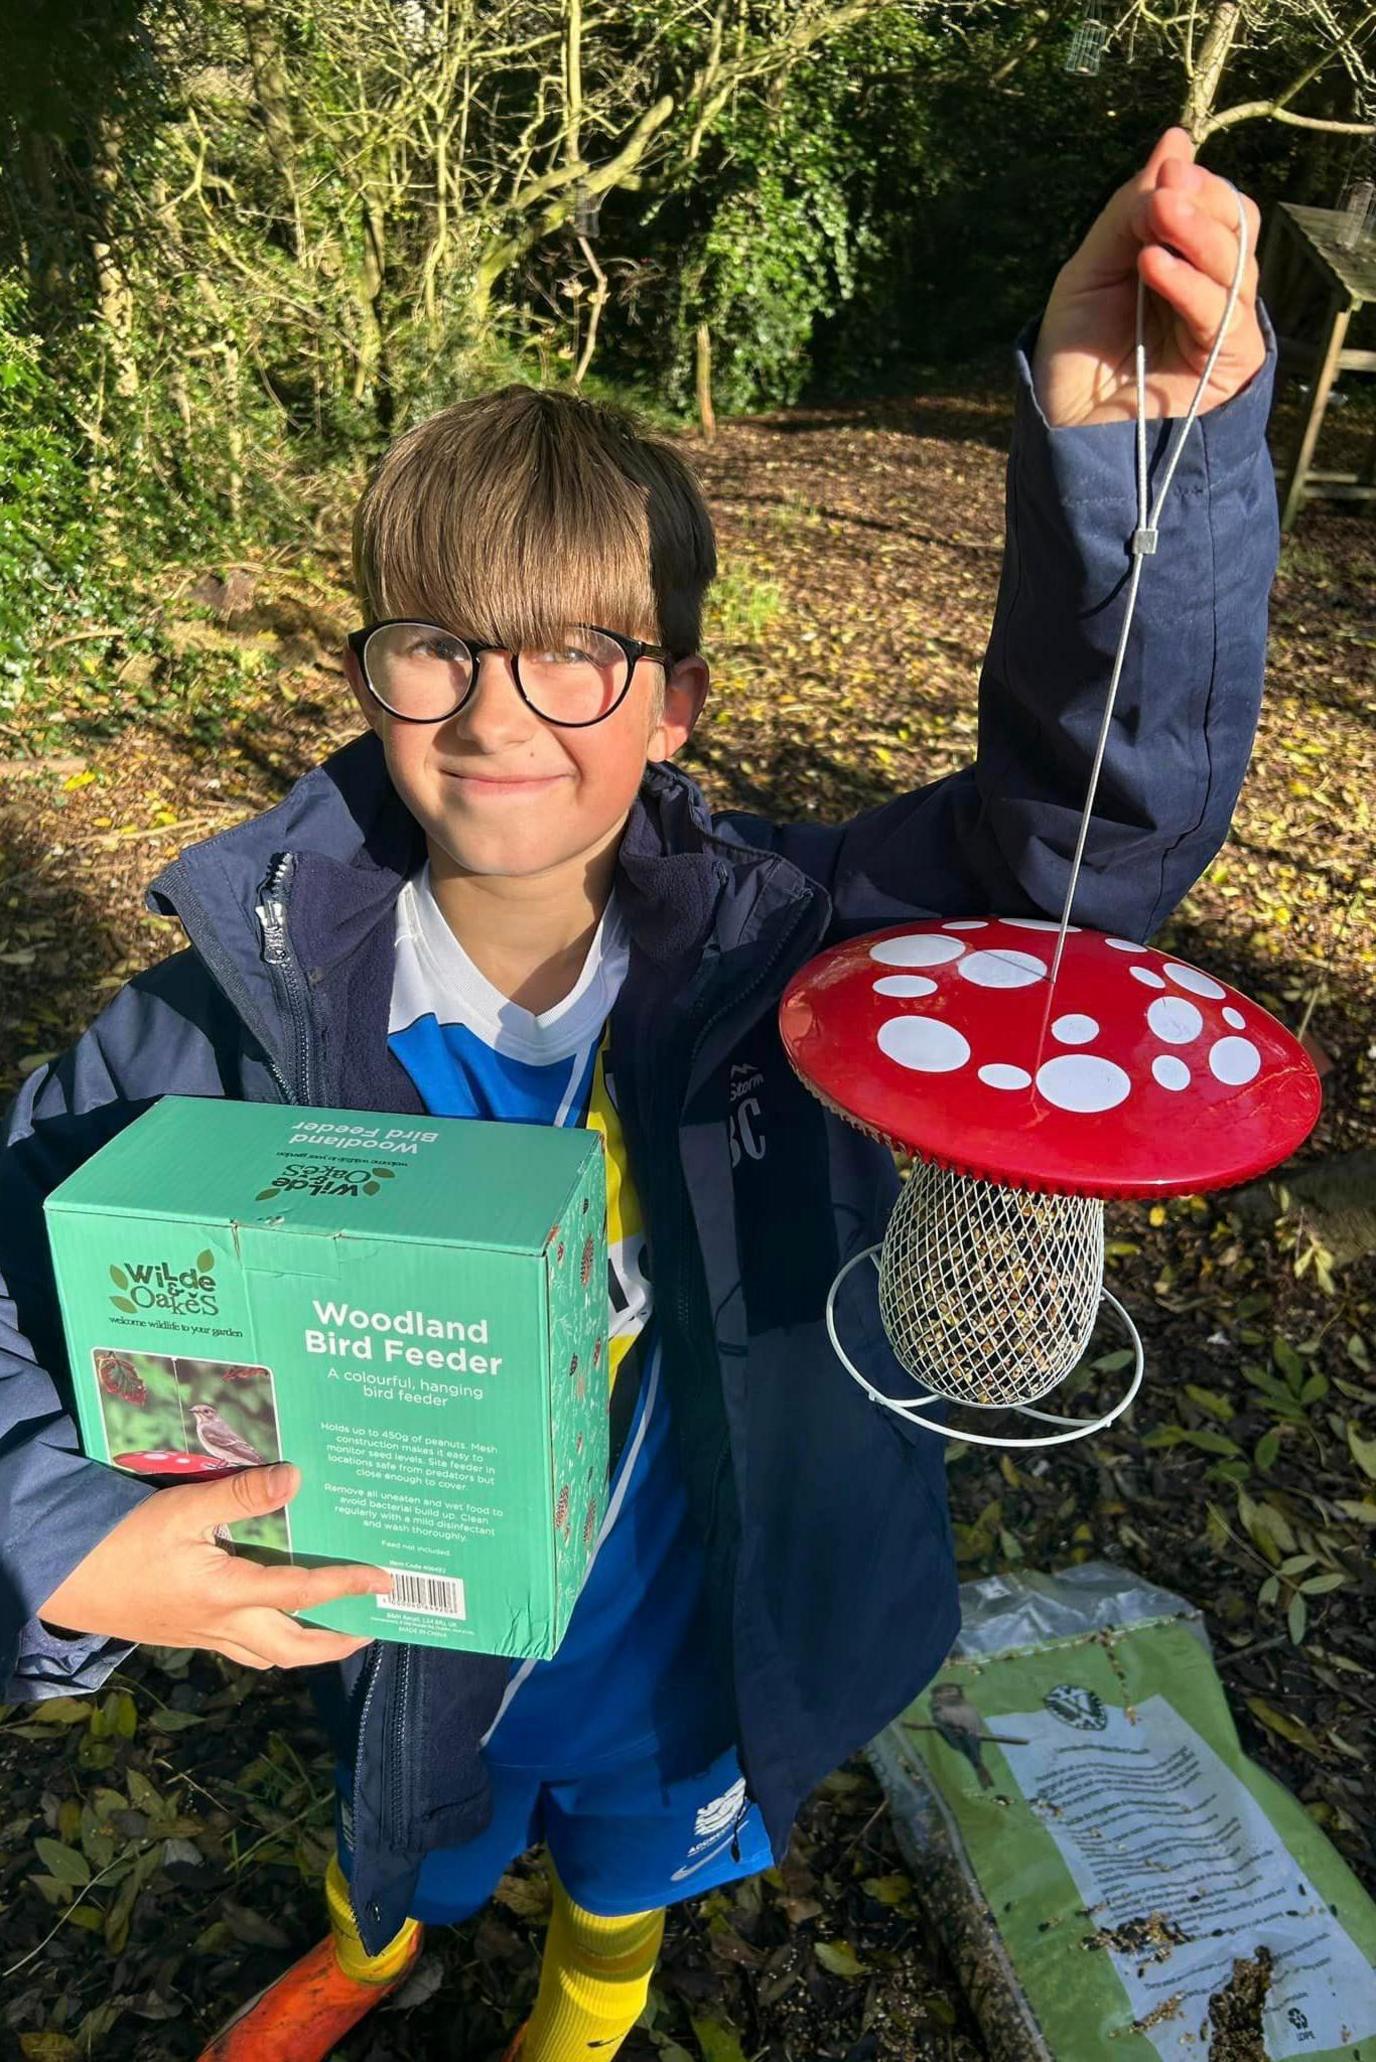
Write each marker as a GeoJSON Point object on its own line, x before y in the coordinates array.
{"type": "Point", "coordinates": [998, 1075]}
{"type": "Point", "coordinates": [921, 949]}
{"type": "Point", "coordinates": [1170, 1071]}
{"type": "Point", "coordinates": [1235, 1018]}
{"type": "Point", "coordinates": [905, 984]}
{"type": "Point", "coordinates": [924, 1043]}
{"type": "Point", "coordinates": [1083, 1082]}
{"type": "Point", "coordinates": [1197, 983]}
{"type": "Point", "coordinates": [1074, 1030]}
{"type": "Point", "coordinates": [967, 923]}
{"type": "Point", "coordinates": [1174, 1019]}
{"type": "Point", "coordinates": [1038, 923]}
{"type": "Point", "coordinates": [1124, 945]}
{"type": "Point", "coordinates": [1234, 1061]}
{"type": "Point", "coordinates": [1000, 967]}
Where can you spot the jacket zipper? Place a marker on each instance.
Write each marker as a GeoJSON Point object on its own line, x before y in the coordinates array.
{"type": "Point", "coordinates": [287, 977]}
{"type": "Point", "coordinates": [394, 1777]}
{"type": "Point", "coordinates": [374, 1669]}
{"type": "Point", "coordinates": [290, 986]}
{"type": "Point", "coordinates": [685, 1233]}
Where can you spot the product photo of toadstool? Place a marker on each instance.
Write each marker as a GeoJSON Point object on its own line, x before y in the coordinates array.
{"type": "Point", "coordinates": [164, 1465]}
{"type": "Point", "coordinates": [1035, 1069]}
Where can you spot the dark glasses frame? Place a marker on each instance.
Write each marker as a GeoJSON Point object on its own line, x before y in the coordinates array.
{"type": "Point", "coordinates": [634, 648]}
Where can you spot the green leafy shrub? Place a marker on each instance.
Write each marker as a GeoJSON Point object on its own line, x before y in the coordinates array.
{"type": "Point", "coordinates": [777, 252]}
{"type": "Point", "coordinates": [48, 544]}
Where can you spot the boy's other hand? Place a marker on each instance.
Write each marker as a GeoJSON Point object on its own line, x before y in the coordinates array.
{"type": "Point", "coordinates": [160, 1579]}
{"type": "Point", "coordinates": [1175, 226]}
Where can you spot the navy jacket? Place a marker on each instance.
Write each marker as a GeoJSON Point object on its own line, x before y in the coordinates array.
{"type": "Point", "coordinates": [830, 1571]}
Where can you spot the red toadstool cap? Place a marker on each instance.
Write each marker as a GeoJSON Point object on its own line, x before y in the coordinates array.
{"type": "Point", "coordinates": [1146, 1077]}
{"type": "Point", "coordinates": [175, 1467]}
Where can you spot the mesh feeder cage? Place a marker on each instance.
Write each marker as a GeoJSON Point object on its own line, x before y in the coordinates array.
{"type": "Point", "coordinates": [1085, 55]}
{"type": "Point", "coordinates": [587, 208]}
{"type": "Point", "coordinates": [1357, 208]}
{"type": "Point", "coordinates": [1035, 1069]}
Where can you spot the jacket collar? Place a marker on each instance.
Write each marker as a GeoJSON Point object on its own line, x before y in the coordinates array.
{"type": "Point", "coordinates": [680, 881]}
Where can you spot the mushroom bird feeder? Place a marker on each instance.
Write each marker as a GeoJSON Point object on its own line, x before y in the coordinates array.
{"type": "Point", "coordinates": [1035, 1069]}
{"type": "Point", "coordinates": [1144, 1077]}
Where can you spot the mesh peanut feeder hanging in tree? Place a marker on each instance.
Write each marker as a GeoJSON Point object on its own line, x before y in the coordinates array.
{"type": "Point", "coordinates": [1087, 45]}
{"type": "Point", "coordinates": [1035, 1069]}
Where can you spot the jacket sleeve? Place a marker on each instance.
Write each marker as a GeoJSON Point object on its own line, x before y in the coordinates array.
{"type": "Point", "coordinates": [998, 837]}
{"type": "Point", "coordinates": [55, 1505]}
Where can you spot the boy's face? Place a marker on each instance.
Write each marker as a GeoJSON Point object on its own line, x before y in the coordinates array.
{"type": "Point", "coordinates": [502, 792]}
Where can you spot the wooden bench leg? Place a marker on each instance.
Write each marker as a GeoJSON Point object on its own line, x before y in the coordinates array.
{"type": "Point", "coordinates": [1325, 370]}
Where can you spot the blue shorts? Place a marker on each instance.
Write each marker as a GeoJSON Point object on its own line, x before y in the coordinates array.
{"type": "Point", "coordinates": [615, 1753]}
{"type": "Point", "coordinates": [622, 1840]}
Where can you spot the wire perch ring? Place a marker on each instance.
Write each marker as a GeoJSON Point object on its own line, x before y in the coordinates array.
{"type": "Point", "coordinates": [912, 1408]}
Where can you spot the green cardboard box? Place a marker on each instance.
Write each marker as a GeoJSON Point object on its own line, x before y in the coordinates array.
{"type": "Point", "coordinates": [413, 1310]}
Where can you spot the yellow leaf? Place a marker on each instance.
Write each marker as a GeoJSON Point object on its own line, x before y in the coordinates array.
{"type": "Point", "coordinates": [1288, 1728]}
{"type": "Point", "coordinates": [77, 780]}
{"type": "Point", "coordinates": [840, 1958]}
{"type": "Point", "coordinates": [717, 2040]}
{"type": "Point", "coordinates": [527, 1896]}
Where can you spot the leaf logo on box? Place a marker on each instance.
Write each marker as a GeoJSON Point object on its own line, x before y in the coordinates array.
{"type": "Point", "coordinates": [321, 1179]}
{"type": "Point", "coordinates": [161, 1285]}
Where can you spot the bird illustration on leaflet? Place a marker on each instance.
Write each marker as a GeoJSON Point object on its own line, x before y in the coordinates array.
{"type": "Point", "coordinates": [963, 1729]}
{"type": "Point", "coordinates": [221, 1441]}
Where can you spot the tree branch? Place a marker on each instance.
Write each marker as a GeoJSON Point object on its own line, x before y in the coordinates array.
{"type": "Point", "coordinates": [507, 250]}
{"type": "Point", "coordinates": [1250, 110]}
{"type": "Point", "coordinates": [1029, 43]}
{"type": "Point", "coordinates": [1277, 109]}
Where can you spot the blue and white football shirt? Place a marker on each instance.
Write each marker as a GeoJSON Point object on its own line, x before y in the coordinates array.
{"type": "Point", "coordinates": [629, 1673]}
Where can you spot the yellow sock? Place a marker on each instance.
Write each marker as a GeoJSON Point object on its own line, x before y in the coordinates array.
{"type": "Point", "coordinates": [354, 1958]}
{"type": "Point", "coordinates": [594, 1980]}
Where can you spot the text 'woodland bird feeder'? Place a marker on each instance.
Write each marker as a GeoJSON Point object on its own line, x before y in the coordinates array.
{"type": "Point", "coordinates": [1035, 1069]}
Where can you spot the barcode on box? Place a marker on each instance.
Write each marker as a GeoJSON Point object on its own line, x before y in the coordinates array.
{"type": "Point", "coordinates": [439, 1595]}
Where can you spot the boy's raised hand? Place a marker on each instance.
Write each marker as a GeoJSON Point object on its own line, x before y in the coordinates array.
{"type": "Point", "coordinates": [159, 1579]}
{"type": "Point", "coordinates": [1082, 366]}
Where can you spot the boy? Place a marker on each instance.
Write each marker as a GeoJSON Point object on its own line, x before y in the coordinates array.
{"type": "Point", "coordinates": [503, 901]}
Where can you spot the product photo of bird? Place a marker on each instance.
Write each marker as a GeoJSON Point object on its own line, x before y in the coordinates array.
{"type": "Point", "coordinates": [221, 1441]}
{"type": "Point", "coordinates": [963, 1729]}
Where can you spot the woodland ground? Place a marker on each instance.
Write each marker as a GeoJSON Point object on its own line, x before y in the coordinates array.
{"type": "Point", "coordinates": [181, 1817]}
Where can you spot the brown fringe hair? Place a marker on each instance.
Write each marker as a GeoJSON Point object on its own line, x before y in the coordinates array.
{"type": "Point", "coordinates": [514, 513]}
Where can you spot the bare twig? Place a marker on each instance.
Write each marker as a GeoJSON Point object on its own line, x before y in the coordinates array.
{"type": "Point", "coordinates": [63, 1917]}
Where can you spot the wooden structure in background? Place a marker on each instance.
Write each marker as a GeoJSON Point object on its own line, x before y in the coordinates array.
{"type": "Point", "coordinates": [1312, 288]}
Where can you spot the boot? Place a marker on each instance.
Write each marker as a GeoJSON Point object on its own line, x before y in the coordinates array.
{"type": "Point", "coordinates": [313, 2004]}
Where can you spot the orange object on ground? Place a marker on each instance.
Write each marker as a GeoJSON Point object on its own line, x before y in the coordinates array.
{"type": "Point", "coordinates": [509, 2054]}
{"type": "Point", "coordinates": [302, 2016]}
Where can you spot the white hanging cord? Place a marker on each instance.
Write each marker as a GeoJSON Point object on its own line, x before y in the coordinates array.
{"type": "Point", "coordinates": [1143, 542]}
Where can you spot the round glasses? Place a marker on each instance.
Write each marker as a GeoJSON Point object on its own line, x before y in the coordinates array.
{"type": "Point", "coordinates": [423, 674]}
